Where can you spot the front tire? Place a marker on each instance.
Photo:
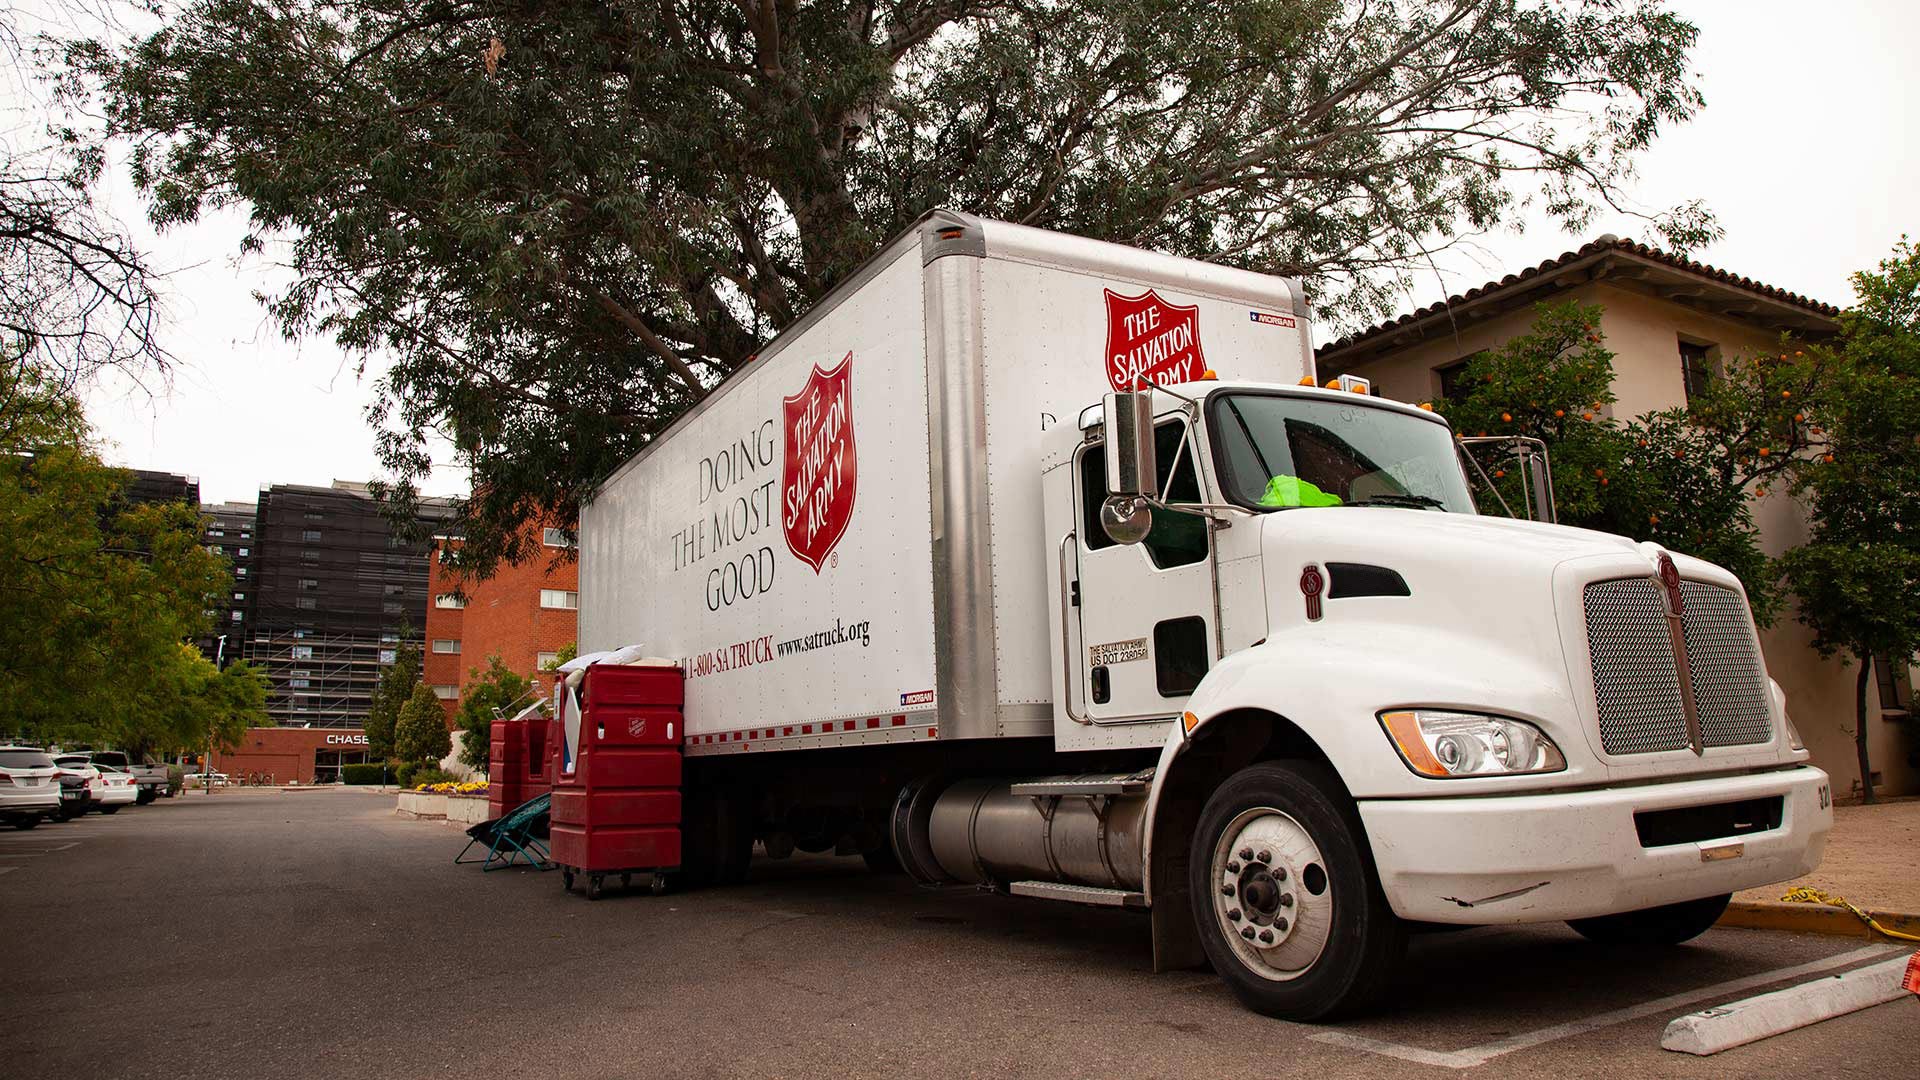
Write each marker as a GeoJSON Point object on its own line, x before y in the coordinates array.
{"type": "Point", "coordinates": [27, 822]}
{"type": "Point", "coordinates": [110, 809]}
{"type": "Point", "coordinates": [1287, 902]}
{"type": "Point", "coordinates": [1669, 924]}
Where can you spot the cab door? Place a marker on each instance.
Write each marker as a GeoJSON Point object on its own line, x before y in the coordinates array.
{"type": "Point", "coordinates": [1147, 633]}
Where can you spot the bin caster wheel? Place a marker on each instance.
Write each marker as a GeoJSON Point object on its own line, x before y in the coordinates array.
{"type": "Point", "coordinates": [566, 880]}
{"type": "Point", "coordinates": [594, 885]}
{"type": "Point", "coordinates": [626, 881]}
{"type": "Point", "coordinates": [659, 885]}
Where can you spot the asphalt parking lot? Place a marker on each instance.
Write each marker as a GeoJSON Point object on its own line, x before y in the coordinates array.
{"type": "Point", "coordinates": [265, 934]}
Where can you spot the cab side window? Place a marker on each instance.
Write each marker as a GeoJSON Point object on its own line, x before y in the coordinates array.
{"type": "Point", "coordinates": [1177, 539]}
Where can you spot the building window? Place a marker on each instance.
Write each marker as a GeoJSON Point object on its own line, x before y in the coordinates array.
{"type": "Point", "coordinates": [240, 571]}
{"type": "Point", "coordinates": [297, 684]}
{"type": "Point", "coordinates": [236, 616]}
{"type": "Point", "coordinates": [239, 596]}
{"type": "Point", "coordinates": [305, 603]}
{"type": "Point", "coordinates": [314, 515]}
{"type": "Point", "coordinates": [449, 600]}
{"type": "Point", "coordinates": [545, 660]}
{"type": "Point", "coordinates": [563, 599]}
{"type": "Point", "coordinates": [1452, 379]}
{"type": "Point", "coordinates": [443, 645]}
{"type": "Point", "coordinates": [388, 639]}
{"type": "Point", "coordinates": [393, 590]}
{"type": "Point", "coordinates": [310, 556]}
{"type": "Point", "coordinates": [387, 655]}
{"type": "Point", "coordinates": [216, 532]}
{"type": "Point", "coordinates": [242, 553]}
{"type": "Point", "coordinates": [1696, 367]}
{"type": "Point", "coordinates": [308, 584]}
{"type": "Point", "coordinates": [1896, 685]}
{"type": "Point", "coordinates": [308, 536]}
{"type": "Point", "coordinates": [245, 535]}
{"type": "Point", "coordinates": [555, 538]}
{"type": "Point", "coordinates": [303, 652]}
{"type": "Point", "coordinates": [445, 692]}
{"type": "Point", "coordinates": [393, 607]}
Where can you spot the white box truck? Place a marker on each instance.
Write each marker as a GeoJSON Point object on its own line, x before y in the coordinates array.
{"type": "Point", "coordinates": [1048, 565]}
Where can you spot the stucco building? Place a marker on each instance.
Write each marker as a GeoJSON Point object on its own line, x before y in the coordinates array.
{"type": "Point", "coordinates": [1672, 323]}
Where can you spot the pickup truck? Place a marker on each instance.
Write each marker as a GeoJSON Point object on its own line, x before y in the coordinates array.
{"type": "Point", "coordinates": [151, 778]}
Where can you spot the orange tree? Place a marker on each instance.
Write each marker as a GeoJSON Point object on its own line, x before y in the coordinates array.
{"type": "Point", "coordinates": [1682, 477]}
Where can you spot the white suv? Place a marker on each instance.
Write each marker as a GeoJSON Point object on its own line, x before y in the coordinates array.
{"type": "Point", "coordinates": [29, 786]}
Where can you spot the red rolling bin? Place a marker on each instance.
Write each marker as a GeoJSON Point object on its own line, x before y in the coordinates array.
{"type": "Point", "coordinates": [618, 810]}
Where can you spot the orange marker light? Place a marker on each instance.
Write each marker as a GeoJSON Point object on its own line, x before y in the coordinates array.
{"type": "Point", "coordinates": [1404, 730]}
{"type": "Point", "coordinates": [1306, 380]}
{"type": "Point", "coordinates": [1426, 406]}
{"type": "Point", "coordinates": [1208, 376]}
{"type": "Point", "coordinates": [1333, 384]}
{"type": "Point", "coordinates": [1189, 721]}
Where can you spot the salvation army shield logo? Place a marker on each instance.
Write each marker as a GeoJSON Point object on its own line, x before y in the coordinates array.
{"type": "Point", "coordinates": [1151, 342]}
{"type": "Point", "coordinates": [818, 473]}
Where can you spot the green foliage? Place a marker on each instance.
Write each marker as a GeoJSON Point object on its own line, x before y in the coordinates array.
{"type": "Point", "coordinates": [1680, 478]}
{"type": "Point", "coordinates": [398, 681]}
{"type": "Point", "coordinates": [567, 652]}
{"type": "Point", "coordinates": [367, 773]}
{"type": "Point", "coordinates": [100, 593]}
{"type": "Point", "coordinates": [499, 688]}
{"type": "Point", "coordinates": [1857, 577]}
{"type": "Point", "coordinates": [420, 735]}
{"type": "Point", "coordinates": [403, 773]}
{"type": "Point", "coordinates": [428, 774]}
{"type": "Point", "coordinates": [566, 222]}
{"type": "Point", "coordinates": [176, 779]}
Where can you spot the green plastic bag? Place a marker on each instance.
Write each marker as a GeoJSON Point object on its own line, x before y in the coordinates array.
{"type": "Point", "coordinates": [1293, 491]}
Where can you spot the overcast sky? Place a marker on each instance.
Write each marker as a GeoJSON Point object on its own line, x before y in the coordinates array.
{"type": "Point", "coordinates": [1806, 151]}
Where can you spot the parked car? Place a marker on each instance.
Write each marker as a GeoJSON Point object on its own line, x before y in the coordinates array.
{"type": "Point", "coordinates": [29, 786]}
{"type": "Point", "coordinates": [117, 789]}
{"type": "Point", "coordinates": [200, 778]}
{"type": "Point", "coordinates": [151, 778]}
{"type": "Point", "coordinates": [77, 778]}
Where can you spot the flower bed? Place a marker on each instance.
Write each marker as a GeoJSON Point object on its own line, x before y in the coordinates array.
{"type": "Point", "coordinates": [469, 787]}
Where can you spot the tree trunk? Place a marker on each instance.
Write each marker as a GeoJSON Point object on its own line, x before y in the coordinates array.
{"type": "Point", "coordinates": [1860, 729]}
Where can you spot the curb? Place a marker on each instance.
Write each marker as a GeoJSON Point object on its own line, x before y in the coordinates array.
{"type": "Point", "coordinates": [1814, 919]}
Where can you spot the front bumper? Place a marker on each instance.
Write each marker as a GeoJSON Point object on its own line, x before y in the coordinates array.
{"type": "Point", "coordinates": [1544, 858]}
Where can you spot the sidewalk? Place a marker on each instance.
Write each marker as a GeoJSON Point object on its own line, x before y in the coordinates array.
{"type": "Point", "coordinates": [1872, 861]}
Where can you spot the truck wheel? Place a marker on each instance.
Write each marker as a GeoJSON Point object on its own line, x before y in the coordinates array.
{"type": "Point", "coordinates": [110, 809]}
{"type": "Point", "coordinates": [27, 822]}
{"type": "Point", "coordinates": [717, 839]}
{"type": "Point", "coordinates": [1669, 924]}
{"type": "Point", "coordinates": [1286, 898]}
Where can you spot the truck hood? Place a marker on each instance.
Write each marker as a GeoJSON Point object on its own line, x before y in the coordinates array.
{"type": "Point", "coordinates": [1491, 607]}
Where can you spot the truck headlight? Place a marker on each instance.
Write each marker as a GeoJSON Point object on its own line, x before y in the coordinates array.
{"type": "Point", "coordinates": [1443, 744]}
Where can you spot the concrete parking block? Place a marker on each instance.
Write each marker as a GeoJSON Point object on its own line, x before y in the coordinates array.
{"type": "Point", "coordinates": [1738, 1023]}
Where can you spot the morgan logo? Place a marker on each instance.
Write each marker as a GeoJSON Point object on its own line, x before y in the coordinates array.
{"type": "Point", "coordinates": [817, 476]}
{"type": "Point", "coordinates": [1151, 342]}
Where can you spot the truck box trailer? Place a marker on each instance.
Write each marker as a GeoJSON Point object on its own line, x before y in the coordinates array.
{"type": "Point", "coordinates": [1051, 566]}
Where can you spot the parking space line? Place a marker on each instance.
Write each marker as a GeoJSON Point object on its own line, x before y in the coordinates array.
{"type": "Point", "coordinates": [1473, 1056]}
{"type": "Point", "coordinates": [8, 869]}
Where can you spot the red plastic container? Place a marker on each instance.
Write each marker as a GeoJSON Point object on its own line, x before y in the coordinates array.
{"type": "Point", "coordinates": [598, 809]}
{"type": "Point", "coordinates": [621, 767]}
{"type": "Point", "coordinates": [635, 725]}
{"type": "Point", "coordinates": [619, 684]}
{"type": "Point", "coordinates": [614, 847]}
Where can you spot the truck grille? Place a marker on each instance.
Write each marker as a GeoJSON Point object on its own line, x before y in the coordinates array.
{"type": "Point", "coordinates": [1636, 682]}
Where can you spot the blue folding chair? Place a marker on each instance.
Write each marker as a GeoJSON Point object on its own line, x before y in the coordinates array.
{"type": "Point", "coordinates": [517, 838]}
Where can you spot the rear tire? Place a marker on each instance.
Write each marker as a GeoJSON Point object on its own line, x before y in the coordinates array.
{"type": "Point", "coordinates": [1306, 933]}
{"type": "Point", "coordinates": [1669, 924]}
{"type": "Point", "coordinates": [25, 822]}
{"type": "Point", "coordinates": [110, 809]}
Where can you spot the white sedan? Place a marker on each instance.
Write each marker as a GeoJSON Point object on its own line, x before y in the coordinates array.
{"type": "Point", "coordinates": [108, 789]}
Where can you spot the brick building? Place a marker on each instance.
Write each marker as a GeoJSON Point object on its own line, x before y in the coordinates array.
{"type": "Point", "coordinates": [523, 614]}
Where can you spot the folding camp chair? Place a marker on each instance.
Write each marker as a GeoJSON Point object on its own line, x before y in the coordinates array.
{"type": "Point", "coordinates": [515, 838]}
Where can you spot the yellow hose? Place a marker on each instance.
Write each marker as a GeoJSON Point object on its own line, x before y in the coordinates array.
{"type": "Point", "coordinates": [1815, 896]}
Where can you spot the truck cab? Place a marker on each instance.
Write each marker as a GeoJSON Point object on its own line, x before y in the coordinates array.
{"type": "Point", "coordinates": [1378, 709]}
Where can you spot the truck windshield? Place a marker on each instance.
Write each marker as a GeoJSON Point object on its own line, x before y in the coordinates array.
{"type": "Point", "coordinates": [1278, 451]}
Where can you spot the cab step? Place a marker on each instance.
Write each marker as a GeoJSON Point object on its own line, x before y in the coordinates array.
{"type": "Point", "coordinates": [1078, 894]}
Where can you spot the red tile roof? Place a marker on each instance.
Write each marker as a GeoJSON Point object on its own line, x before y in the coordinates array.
{"type": "Point", "coordinates": [1607, 243]}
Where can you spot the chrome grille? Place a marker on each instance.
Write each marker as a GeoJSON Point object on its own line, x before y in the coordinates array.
{"type": "Point", "coordinates": [1634, 678]}
{"type": "Point", "coordinates": [1729, 688]}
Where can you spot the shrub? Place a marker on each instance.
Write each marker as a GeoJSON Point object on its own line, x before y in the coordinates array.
{"type": "Point", "coordinates": [176, 779]}
{"type": "Point", "coordinates": [370, 772]}
{"type": "Point", "coordinates": [429, 774]}
{"type": "Point", "coordinates": [403, 774]}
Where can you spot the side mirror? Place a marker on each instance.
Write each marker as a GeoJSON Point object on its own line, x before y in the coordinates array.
{"type": "Point", "coordinates": [1127, 428]}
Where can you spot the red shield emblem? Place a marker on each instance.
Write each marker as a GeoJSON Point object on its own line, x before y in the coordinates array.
{"type": "Point", "coordinates": [1151, 342]}
{"type": "Point", "coordinates": [818, 473]}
